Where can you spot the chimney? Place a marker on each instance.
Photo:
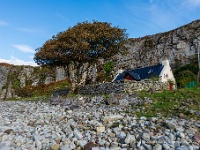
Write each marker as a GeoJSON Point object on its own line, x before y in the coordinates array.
{"type": "Point", "coordinates": [165, 62]}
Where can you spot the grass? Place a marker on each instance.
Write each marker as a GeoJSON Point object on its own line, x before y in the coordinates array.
{"type": "Point", "coordinates": [171, 103]}
{"type": "Point", "coordinates": [40, 92]}
{"type": "Point", "coordinates": [36, 98]}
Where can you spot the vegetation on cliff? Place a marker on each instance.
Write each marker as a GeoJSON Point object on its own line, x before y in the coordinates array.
{"type": "Point", "coordinates": [42, 90]}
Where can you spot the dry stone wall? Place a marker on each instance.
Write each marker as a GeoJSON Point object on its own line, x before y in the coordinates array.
{"type": "Point", "coordinates": [146, 85]}
{"type": "Point", "coordinates": [120, 87]}
{"type": "Point", "coordinates": [102, 88]}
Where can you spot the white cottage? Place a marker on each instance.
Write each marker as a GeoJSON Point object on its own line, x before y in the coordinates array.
{"type": "Point", "coordinates": [163, 71]}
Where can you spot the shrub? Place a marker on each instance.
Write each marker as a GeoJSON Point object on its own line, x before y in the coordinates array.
{"type": "Point", "coordinates": [108, 67]}
{"type": "Point", "coordinates": [193, 66]}
{"type": "Point", "coordinates": [16, 84]}
{"type": "Point", "coordinates": [184, 77]}
{"type": "Point", "coordinates": [149, 43]}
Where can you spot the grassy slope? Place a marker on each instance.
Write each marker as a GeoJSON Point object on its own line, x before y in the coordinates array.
{"type": "Point", "coordinates": [183, 102]}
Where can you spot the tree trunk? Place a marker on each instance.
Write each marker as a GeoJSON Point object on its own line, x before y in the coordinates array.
{"type": "Point", "coordinates": [80, 73]}
{"type": "Point", "coordinates": [72, 76]}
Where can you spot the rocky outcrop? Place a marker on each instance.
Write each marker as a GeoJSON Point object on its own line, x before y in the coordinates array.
{"type": "Point", "coordinates": [15, 77]}
{"type": "Point", "coordinates": [180, 44]}
{"type": "Point", "coordinates": [3, 76]}
{"type": "Point", "coordinates": [87, 73]}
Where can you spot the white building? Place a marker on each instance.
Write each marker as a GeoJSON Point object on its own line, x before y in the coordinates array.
{"type": "Point", "coordinates": [161, 71]}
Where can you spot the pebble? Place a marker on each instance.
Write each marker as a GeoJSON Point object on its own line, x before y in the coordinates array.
{"type": "Point", "coordinates": [157, 147]}
{"type": "Point", "coordinates": [37, 126]}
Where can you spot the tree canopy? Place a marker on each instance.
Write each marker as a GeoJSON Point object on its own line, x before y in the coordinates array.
{"type": "Point", "coordinates": [85, 42]}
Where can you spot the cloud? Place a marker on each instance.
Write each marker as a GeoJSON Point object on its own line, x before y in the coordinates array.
{"type": "Point", "coordinates": [24, 48]}
{"type": "Point", "coordinates": [151, 16]}
{"type": "Point", "coordinates": [15, 61]}
{"type": "Point", "coordinates": [159, 15]}
{"type": "Point", "coordinates": [191, 3]}
{"type": "Point", "coordinates": [164, 14]}
{"type": "Point", "coordinates": [59, 15]}
{"type": "Point", "coordinates": [31, 30]}
{"type": "Point", "coordinates": [3, 23]}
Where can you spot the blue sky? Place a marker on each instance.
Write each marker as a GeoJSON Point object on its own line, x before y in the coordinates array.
{"type": "Point", "coordinates": [26, 24]}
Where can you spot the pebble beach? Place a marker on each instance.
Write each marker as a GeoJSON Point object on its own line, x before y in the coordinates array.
{"type": "Point", "coordinates": [27, 125]}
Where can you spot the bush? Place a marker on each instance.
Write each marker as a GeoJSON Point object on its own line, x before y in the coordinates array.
{"type": "Point", "coordinates": [108, 67]}
{"type": "Point", "coordinates": [16, 84]}
{"type": "Point", "coordinates": [149, 43]}
{"type": "Point", "coordinates": [184, 77]}
{"type": "Point", "coordinates": [192, 66]}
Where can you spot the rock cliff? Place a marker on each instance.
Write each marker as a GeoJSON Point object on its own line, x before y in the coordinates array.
{"type": "Point", "coordinates": [15, 77]}
{"type": "Point", "coordinates": [180, 44]}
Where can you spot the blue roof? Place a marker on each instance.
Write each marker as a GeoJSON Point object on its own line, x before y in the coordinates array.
{"type": "Point", "coordinates": [148, 72]}
{"type": "Point", "coordinates": [134, 75]}
{"type": "Point", "coordinates": [142, 73]}
{"type": "Point", "coordinates": [122, 75]}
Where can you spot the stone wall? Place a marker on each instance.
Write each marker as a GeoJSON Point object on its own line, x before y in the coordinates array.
{"type": "Point", "coordinates": [102, 88]}
{"type": "Point", "coordinates": [146, 85]}
{"type": "Point", "coordinates": [120, 87]}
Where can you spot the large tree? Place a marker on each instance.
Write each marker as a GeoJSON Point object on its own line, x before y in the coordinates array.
{"type": "Point", "coordinates": [83, 43]}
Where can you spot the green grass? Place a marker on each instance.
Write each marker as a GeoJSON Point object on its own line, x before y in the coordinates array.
{"type": "Point", "coordinates": [38, 98]}
{"type": "Point", "coordinates": [40, 92]}
{"type": "Point", "coordinates": [171, 103]}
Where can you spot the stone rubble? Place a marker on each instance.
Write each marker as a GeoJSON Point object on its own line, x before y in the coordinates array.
{"type": "Point", "coordinates": [87, 124]}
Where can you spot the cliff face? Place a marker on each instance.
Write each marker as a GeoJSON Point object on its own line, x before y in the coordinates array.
{"type": "Point", "coordinates": [180, 44]}
{"type": "Point", "coordinates": [14, 77]}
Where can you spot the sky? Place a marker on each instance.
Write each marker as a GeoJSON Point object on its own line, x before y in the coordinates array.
{"type": "Point", "coordinates": [25, 25]}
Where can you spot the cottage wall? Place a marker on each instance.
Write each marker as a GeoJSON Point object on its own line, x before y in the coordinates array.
{"type": "Point", "coordinates": [167, 74]}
